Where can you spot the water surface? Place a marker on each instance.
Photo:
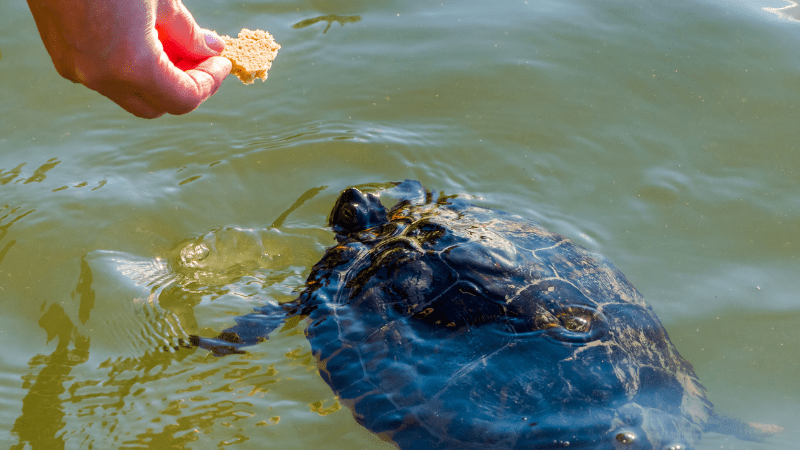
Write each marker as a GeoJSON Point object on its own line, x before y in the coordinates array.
{"type": "Point", "coordinates": [663, 135]}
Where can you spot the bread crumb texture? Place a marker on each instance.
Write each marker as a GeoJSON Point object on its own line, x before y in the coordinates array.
{"type": "Point", "coordinates": [251, 53]}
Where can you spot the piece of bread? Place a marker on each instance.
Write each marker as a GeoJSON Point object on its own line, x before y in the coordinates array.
{"type": "Point", "coordinates": [251, 54]}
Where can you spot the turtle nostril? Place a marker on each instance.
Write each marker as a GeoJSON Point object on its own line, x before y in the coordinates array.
{"type": "Point", "coordinates": [625, 437]}
{"type": "Point", "coordinates": [675, 447]}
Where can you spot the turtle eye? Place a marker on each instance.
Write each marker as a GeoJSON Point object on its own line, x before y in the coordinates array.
{"type": "Point", "coordinates": [576, 319]}
{"type": "Point", "coordinates": [577, 324]}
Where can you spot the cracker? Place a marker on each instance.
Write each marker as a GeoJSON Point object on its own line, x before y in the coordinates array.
{"type": "Point", "coordinates": [251, 54]}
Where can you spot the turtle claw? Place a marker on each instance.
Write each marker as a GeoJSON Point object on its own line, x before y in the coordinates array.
{"type": "Point", "coordinates": [249, 330]}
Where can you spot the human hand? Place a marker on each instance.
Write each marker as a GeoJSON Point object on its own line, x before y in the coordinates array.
{"type": "Point", "coordinates": [148, 56]}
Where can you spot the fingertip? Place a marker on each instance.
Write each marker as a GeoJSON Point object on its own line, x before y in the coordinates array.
{"type": "Point", "coordinates": [213, 41]}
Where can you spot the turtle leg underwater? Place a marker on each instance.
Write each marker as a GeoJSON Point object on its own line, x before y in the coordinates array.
{"type": "Point", "coordinates": [249, 330]}
{"type": "Point", "coordinates": [354, 211]}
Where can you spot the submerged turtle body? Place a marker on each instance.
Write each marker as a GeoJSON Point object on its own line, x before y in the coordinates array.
{"type": "Point", "coordinates": [444, 325]}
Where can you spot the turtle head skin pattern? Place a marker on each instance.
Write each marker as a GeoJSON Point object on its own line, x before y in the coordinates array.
{"type": "Point", "coordinates": [444, 325]}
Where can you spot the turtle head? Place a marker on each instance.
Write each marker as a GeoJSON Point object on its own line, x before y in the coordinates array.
{"type": "Point", "coordinates": [356, 211]}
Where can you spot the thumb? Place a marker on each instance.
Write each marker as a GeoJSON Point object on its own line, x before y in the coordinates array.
{"type": "Point", "coordinates": [181, 37]}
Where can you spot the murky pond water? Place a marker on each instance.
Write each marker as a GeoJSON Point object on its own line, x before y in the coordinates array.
{"type": "Point", "coordinates": [662, 135]}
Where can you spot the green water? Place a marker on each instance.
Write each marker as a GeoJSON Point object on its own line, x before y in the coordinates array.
{"type": "Point", "coordinates": [664, 135]}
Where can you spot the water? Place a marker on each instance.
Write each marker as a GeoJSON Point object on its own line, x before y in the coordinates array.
{"type": "Point", "coordinates": [663, 135]}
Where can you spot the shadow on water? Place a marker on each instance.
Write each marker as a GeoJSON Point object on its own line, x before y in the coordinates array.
{"type": "Point", "coordinates": [330, 18]}
{"type": "Point", "coordinates": [42, 410]}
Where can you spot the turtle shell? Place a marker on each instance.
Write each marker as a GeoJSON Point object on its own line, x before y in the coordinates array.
{"type": "Point", "coordinates": [445, 325]}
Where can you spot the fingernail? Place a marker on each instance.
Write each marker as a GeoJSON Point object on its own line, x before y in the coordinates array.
{"type": "Point", "coordinates": [213, 41]}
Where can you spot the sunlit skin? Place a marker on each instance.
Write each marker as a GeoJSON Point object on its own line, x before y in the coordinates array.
{"type": "Point", "coordinates": [148, 56]}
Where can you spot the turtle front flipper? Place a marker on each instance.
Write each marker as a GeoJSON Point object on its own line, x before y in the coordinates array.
{"type": "Point", "coordinates": [249, 330]}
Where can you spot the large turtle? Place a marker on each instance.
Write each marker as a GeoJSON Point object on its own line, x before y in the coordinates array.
{"type": "Point", "coordinates": [444, 325]}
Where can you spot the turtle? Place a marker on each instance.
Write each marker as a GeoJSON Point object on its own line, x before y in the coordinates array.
{"type": "Point", "coordinates": [445, 325]}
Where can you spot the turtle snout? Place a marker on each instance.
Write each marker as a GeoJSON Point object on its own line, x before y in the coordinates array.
{"type": "Point", "coordinates": [637, 428]}
{"type": "Point", "coordinates": [630, 439]}
{"type": "Point", "coordinates": [626, 437]}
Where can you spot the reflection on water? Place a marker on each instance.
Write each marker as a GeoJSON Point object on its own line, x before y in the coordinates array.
{"type": "Point", "coordinates": [160, 393]}
{"type": "Point", "coordinates": [791, 12]}
{"type": "Point", "coordinates": [40, 174]}
{"type": "Point", "coordinates": [42, 408]}
{"type": "Point", "coordinates": [665, 133]}
{"type": "Point", "coordinates": [100, 184]}
{"type": "Point", "coordinates": [85, 291]}
{"type": "Point", "coordinates": [330, 18]}
{"type": "Point", "coordinates": [7, 176]}
{"type": "Point", "coordinates": [37, 176]}
{"type": "Point", "coordinates": [7, 213]}
{"type": "Point", "coordinates": [308, 195]}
